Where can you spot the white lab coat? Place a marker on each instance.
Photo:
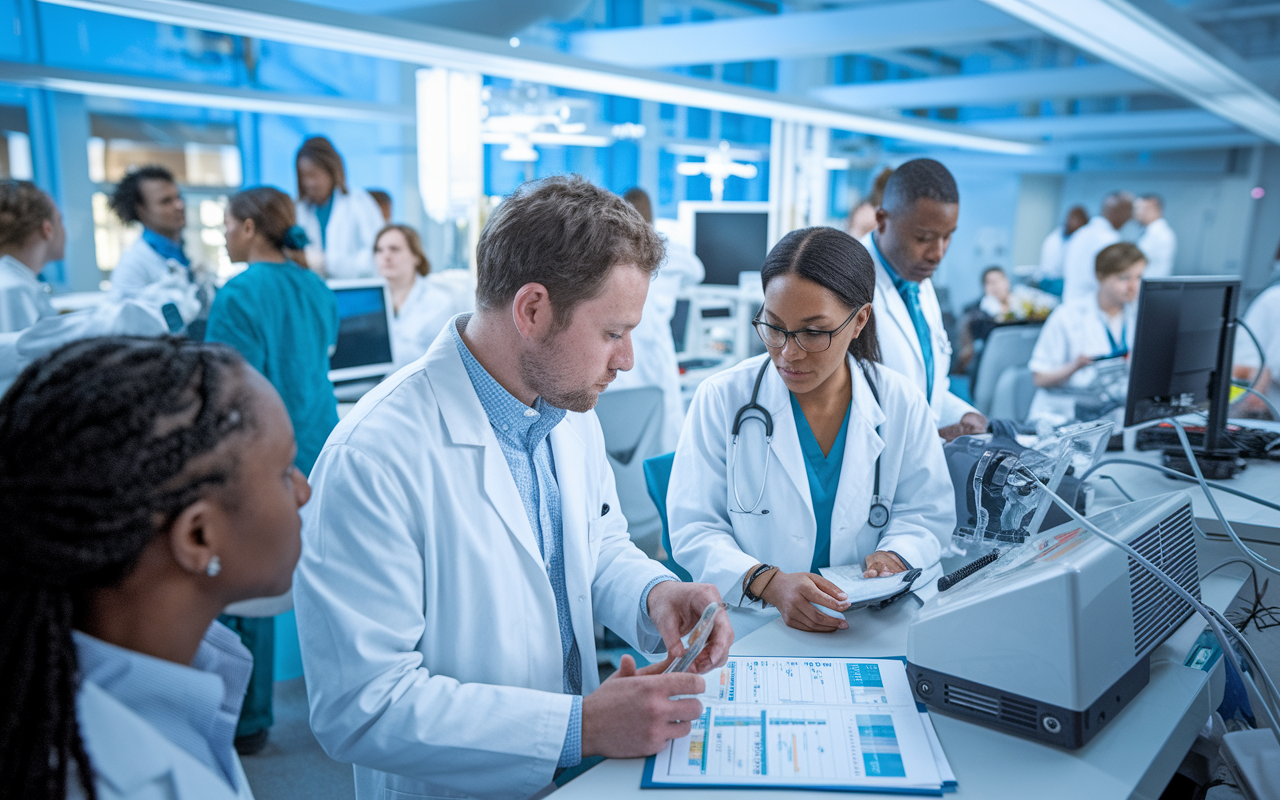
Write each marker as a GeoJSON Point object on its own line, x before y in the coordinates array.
{"type": "Point", "coordinates": [1079, 279]}
{"type": "Point", "coordinates": [354, 222]}
{"type": "Point", "coordinates": [1074, 329]}
{"type": "Point", "coordinates": [427, 622]}
{"type": "Point", "coordinates": [1051, 253]}
{"type": "Point", "coordinates": [24, 300]}
{"type": "Point", "coordinates": [134, 761]}
{"type": "Point", "coordinates": [717, 543]}
{"type": "Point", "coordinates": [139, 267]}
{"type": "Point", "coordinates": [431, 303]}
{"type": "Point", "coordinates": [1159, 244]}
{"type": "Point", "coordinates": [900, 347]}
{"type": "Point", "coordinates": [651, 342]}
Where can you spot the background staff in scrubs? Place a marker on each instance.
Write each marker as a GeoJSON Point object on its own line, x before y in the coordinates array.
{"type": "Point", "coordinates": [150, 195]}
{"type": "Point", "coordinates": [284, 321]}
{"type": "Point", "coordinates": [422, 303]}
{"type": "Point", "coordinates": [340, 223]}
{"type": "Point", "coordinates": [762, 532]}
{"type": "Point", "coordinates": [144, 485]}
{"type": "Point", "coordinates": [1080, 332]}
{"type": "Point", "coordinates": [31, 235]}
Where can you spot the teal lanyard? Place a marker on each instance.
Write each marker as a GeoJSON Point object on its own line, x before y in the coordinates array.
{"type": "Point", "coordinates": [1117, 348]}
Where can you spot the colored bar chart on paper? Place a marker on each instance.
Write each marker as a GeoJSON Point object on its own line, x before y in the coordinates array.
{"type": "Point", "coordinates": [805, 723]}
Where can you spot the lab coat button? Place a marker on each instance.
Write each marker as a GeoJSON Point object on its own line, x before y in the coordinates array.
{"type": "Point", "coordinates": [582, 598]}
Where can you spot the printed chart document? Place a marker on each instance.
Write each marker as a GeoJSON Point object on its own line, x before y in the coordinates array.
{"type": "Point", "coordinates": [806, 723]}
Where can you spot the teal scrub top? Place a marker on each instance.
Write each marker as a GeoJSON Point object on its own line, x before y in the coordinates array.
{"type": "Point", "coordinates": [322, 215]}
{"type": "Point", "coordinates": [283, 319]}
{"type": "Point", "coordinates": [824, 478]}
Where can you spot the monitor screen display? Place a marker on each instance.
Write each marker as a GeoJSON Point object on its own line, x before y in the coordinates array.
{"type": "Point", "coordinates": [1181, 347]}
{"type": "Point", "coordinates": [364, 338]}
{"type": "Point", "coordinates": [729, 242]}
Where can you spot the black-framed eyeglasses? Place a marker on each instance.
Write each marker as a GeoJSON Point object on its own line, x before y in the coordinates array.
{"type": "Point", "coordinates": [810, 341]}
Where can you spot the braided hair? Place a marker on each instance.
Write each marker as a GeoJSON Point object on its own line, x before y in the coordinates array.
{"type": "Point", "coordinates": [97, 440]}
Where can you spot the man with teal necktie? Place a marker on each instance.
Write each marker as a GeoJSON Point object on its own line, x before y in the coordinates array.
{"type": "Point", "coordinates": [914, 226]}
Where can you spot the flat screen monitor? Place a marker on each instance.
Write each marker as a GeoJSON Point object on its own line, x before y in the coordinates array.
{"type": "Point", "coordinates": [680, 324]}
{"type": "Point", "coordinates": [364, 330]}
{"type": "Point", "coordinates": [1181, 360]}
{"type": "Point", "coordinates": [728, 242]}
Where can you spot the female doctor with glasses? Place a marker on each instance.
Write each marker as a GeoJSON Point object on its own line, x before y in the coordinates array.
{"type": "Point", "coordinates": [810, 455]}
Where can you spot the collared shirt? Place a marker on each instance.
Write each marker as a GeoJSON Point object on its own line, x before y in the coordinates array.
{"type": "Point", "coordinates": [910, 292]}
{"type": "Point", "coordinates": [166, 247]}
{"type": "Point", "coordinates": [522, 434]}
{"type": "Point", "coordinates": [194, 707]}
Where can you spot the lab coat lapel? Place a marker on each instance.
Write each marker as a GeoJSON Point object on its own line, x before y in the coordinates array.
{"type": "Point", "coordinates": [468, 424]}
{"type": "Point", "coordinates": [897, 310]}
{"type": "Point", "coordinates": [862, 445]}
{"type": "Point", "coordinates": [576, 511]}
{"type": "Point", "coordinates": [786, 441]}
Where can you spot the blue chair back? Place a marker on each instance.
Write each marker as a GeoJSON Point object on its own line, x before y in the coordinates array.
{"type": "Point", "coordinates": [657, 474]}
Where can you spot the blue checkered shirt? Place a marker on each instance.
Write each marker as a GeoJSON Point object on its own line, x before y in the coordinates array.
{"type": "Point", "coordinates": [522, 433]}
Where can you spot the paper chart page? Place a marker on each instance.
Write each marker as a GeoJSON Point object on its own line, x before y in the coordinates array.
{"type": "Point", "coordinates": [804, 722]}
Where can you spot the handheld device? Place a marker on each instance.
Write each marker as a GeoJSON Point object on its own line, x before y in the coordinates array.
{"type": "Point", "coordinates": [697, 638]}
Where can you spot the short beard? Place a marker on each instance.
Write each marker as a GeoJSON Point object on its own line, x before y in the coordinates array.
{"type": "Point", "coordinates": [543, 369]}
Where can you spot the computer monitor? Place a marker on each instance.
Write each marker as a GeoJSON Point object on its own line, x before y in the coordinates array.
{"type": "Point", "coordinates": [364, 330]}
{"type": "Point", "coordinates": [1181, 362]}
{"type": "Point", "coordinates": [680, 324]}
{"type": "Point", "coordinates": [728, 238]}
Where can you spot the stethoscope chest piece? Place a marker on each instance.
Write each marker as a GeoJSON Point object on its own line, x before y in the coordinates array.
{"type": "Point", "coordinates": [878, 515]}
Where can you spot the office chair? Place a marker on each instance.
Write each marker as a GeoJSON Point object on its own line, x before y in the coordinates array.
{"type": "Point", "coordinates": [657, 475]}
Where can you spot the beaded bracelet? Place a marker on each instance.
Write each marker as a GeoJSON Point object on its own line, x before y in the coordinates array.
{"type": "Point", "coordinates": [756, 573]}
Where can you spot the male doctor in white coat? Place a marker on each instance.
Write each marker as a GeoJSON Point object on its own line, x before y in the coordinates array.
{"type": "Point", "coordinates": [914, 226]}
{"type": "Point", "coordinates": [150, 195]}
{"type": "Point", "coordinates": [465, 536]}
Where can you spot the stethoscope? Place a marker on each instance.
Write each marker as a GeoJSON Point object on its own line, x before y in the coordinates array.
{"type": "Point", "coordinates": [878, 514]}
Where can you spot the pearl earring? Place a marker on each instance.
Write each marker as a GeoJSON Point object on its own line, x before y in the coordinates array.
{"type": "Point", "coordinates": [215, 566]}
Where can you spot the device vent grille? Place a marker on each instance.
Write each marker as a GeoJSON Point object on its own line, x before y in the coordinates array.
{"type": "Point", "coordinates": [1007, 709]}
{"type": "Point", "coordinates": [1171, 546]}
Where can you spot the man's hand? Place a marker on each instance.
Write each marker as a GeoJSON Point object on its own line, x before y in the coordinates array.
{"type": "Point", "coordinates": [970, 424]}
{"type": "Point", "coordinates": [676, 607]}
{"type": "Point", "coordinates": [882, 563]}
{"type": "Point", "coordinates": [633, 714]}
{"type": "Point", "coordinates": [794, 593]}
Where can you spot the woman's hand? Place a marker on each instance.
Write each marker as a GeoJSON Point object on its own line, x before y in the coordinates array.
{"type": "Point", "coordinates": [882, 563]}
{"type": "Point", "coordinates": [794, 593]}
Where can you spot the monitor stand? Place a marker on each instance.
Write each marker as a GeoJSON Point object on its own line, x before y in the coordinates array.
{"type": "Point", "coordinates": [1218, 464]}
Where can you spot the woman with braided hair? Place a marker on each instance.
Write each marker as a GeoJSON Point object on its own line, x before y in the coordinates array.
{"type": "Point", "coordinates": [284, 321]}
{"type": "Point", "coordinates": [31, 235]}
{"type": "Point", "coordinates": [144, 485]}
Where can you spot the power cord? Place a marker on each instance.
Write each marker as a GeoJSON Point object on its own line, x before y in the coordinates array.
{"type": "Point", "coordinates": [1256, 612]}
{"type": "Point", "coordinates": [1173, 473]}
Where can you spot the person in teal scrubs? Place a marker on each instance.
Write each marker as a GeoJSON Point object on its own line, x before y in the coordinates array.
{"type": "Point", "coordinates": [284, 321]}
{"type": "Point", "coordinates": [810, 455]}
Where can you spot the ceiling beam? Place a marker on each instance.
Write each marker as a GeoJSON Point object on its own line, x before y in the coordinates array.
{"type": "Point", "coordinates": [1153, 40]}
{"type": "Point", "coordinates": [1132, 123]}
{"type": "Point", "coordinates": [986, 89]}
{"type": "Point", "coordinates": [126, 87]}
{"type": "Point", "coordinates": [380, 37]}
{"type": "Point", "coordinates": [1146, 144]}
{"type": "Point", "coordinates": [863, 29]}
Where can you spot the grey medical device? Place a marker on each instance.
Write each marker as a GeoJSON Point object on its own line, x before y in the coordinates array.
{"type": "Point", "coordinates": [1052, 640]}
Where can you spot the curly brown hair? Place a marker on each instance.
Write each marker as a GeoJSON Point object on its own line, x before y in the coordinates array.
{"type": "Point", "coordinates": [24, 207]}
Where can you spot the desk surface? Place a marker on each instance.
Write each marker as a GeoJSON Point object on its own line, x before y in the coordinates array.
{"type": "Point", "coordinates": [1125, 760]}
{"type": "Point", "coordinates": [1134, 756]}
{"type": "Point", "coordinates": [1260, 478]}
